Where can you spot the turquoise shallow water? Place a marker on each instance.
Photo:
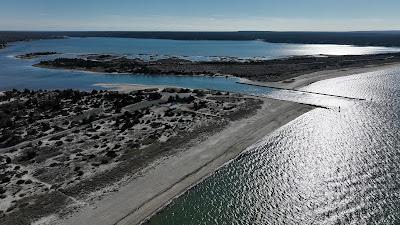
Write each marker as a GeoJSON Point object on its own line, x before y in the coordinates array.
{"type": "Point", "coordinates": [325, 167]}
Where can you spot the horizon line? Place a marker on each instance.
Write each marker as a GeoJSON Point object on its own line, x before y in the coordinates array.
{"type": "Point", "coordinates": [203, 31]}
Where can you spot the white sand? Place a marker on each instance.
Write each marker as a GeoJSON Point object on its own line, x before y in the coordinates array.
{"type": "Point", "coordinates": [128, 87]}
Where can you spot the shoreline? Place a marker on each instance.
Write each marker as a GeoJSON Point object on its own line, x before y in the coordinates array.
{"type": "Point", "coordinates": [149, 194]}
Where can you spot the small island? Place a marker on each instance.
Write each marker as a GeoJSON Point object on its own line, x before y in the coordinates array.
{"type": "Point", "coordinates": [35, 55]}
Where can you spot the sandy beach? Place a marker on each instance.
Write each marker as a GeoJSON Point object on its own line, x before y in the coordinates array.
{"type": "Point", "coordinates": [173, 176]}
{"type": "Point", "coordinates": [169, 178]}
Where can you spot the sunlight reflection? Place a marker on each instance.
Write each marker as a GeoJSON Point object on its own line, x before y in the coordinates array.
{"type": "Point", "coordinates": [326, 49]}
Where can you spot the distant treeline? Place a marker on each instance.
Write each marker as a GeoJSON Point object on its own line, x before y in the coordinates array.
{"type": "Point", "coordinates": [368, 38]}
{"type": "Point", "coordinates": [12, 36]}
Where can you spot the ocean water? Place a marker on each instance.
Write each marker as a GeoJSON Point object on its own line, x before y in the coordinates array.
{"type": "Point", "coordinates": [325, 167]}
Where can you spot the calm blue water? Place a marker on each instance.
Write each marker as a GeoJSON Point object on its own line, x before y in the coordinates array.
{"type": "Point", "coordinates": [16, 73]}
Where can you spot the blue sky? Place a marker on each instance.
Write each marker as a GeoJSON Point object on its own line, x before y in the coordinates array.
{"type": "Point", "coordinates": [200, 15]}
